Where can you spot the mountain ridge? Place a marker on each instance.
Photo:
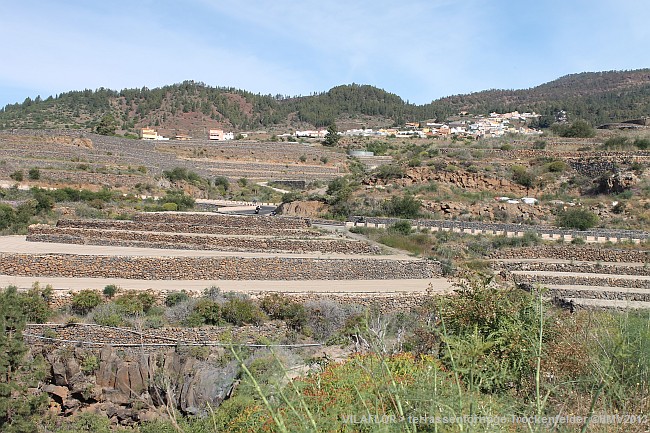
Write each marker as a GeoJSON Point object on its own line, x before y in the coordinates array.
{"type": "Point", "coordinates": [192, 107]}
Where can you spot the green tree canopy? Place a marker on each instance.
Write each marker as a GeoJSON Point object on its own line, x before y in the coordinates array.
{"type": "Point", "coordinates": [332, 137]}
{"type": "Point", "coordinates": [18, 407]}
{"type": "Point", "coordinates": [107, 125]}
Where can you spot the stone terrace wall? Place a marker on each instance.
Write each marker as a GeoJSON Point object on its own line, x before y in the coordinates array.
{"type": "Point", "coordinates": [592, 268]}
{"type": "Point", "coordinates": [226, 220]}
{"type": "Point", "coordinates": [571, 280]}
{"type": "Point", "coordinates": [574, 253]}
{"type": "Point", "coordinates": [46, 233]}
{"type": "Point", "coordinates": [213, 268]}
{"type": "Point", "coordinates": [182, 227]}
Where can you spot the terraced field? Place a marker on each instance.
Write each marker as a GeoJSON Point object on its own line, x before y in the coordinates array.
{"type": "Point", "coordinates": [189, 250]}
{"type": "Point", "coordinates": [585, 283]}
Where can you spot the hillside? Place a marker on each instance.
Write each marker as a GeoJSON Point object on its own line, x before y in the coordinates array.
{"type": "Point", "coordinates": [192, 107]}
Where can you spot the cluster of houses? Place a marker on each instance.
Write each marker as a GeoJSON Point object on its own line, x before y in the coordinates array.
{"type": "Point", "coordinates": [495, 125]}
{"type": "Point", "coordinates": [214, 134]}
{"type": "Point", "coordinates": [474, 127]}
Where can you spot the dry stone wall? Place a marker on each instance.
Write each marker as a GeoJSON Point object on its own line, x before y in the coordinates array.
{"type": "Point", "coordinates": [213, 268]}
{"type": "Point", "coordinates": [574, 253]}
{"type": "Point", "coordinates": [45, 233]}
{"type": "Point", "coordinates": [592, 268]}
{"type": "Point", "coordinates": [226, 220]}
{"type": "Point", "coordinates": [183, 227]}
{"type": "Point", "coordinates": [570, 280]}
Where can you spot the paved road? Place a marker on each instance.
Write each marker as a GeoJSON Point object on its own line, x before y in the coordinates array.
{"type": "Point", "coordinates": [437, 285]}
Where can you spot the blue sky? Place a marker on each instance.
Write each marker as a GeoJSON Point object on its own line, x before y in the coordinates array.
{"type": "Point", "coordinates": [420, 50]}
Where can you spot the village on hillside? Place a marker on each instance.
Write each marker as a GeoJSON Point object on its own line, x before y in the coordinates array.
{"type": "Point", "coordinates": [467, 126]}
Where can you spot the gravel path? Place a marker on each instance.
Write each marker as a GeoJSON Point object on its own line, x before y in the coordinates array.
{"type": "Point", "coordinates": [437, 285]}
{"type": "Point", "coordinates": [18, 244]}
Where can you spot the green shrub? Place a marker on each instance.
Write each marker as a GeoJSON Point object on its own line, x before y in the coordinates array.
{"type": "Point", "coordinates": [522, 176]}
{"type": "Point", "coordinates": [642, 143]}
{"type": "Point", "coordinates": [170, 207]}
{"type": "Point", "coordinates": [406, 206]}
{"type": "Point", "coordinates": [34, 173]}
{"type": "Point", "coordinates": [110, 290]}
{"type": "Point", "coordinates": [89, 363]}
{"type": "Point", "coordinates": [557, 167]}
{"type": "Point", "coordinates": [389, 171]}
{"type": "Point", "coordinates": [580, 219]}
{"type": "Point", "coordinates": [176, 298]}
{"type": "Point", "coordinates": [240, 311]}
{"type": "Point", "coordinates": [84, 301]}
{"type": "Point", "coordinates": [35, 303]}
{"type": "Point", "coordinates": [279, 307]}
{"type": "Point", "coordinates": [17, 175]}
{"type": "Point", "coordinates": [209, 312]}
{"type": "Point", "coordinates": [108, 314]}
{"type": "Point", "coordinates": [402, 227]}
{"type": "Point", "coordinates": [222, 181]}
{"type": "Point", "coordinates": [136, 302]}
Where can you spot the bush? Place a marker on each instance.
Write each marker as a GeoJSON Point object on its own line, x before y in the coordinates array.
{"type": "Point", "coordinates": [556, 166]}
{"type": "Point", "coordinates": [223, 182]}
{"type": "Point", "coordinates": [401, 227]}
{"type": "Point", "coordinates": [170, 207]}
{"type": "Point", "coordinates": [578, 129]}
{"type": "Point", "coordinates": [522, 176]}
{"type": "Point", "coordinates": [109, 314]}
{"type": "Point", "coordinates": [406, 206]}
{"type": "Point", "coordinates": [136, 302]}
{"type": "Point", "coordinates": [17, 175]}
{"type": "Point", "coordinates": [389, 171]}
{"type": "Point", "coordinates": [642, 143]}
{"type": "Point", "coordinates": [84, 301]}
{"type": "Point", "coordinates": [110, 290]}
{"type": "Point", "coordinates": [240, 311]}
{"type": "Point", "coordinates": [34, 173]}
{"type": "Point", "coordinates": [279, 307]}
{"type": "Point", "coordinates": [35, 303]}
{"type": "Point", "coordinates": [209, 312]}
{"type": "Point", "coordinates": [580, 219]}
{"type": "Point", "coordinates": [176, 298]}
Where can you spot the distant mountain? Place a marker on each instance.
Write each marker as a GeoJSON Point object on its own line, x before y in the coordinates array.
{"type": "Point", "coordinates": [598, 97]}
{"type": "Point", "coordinates": [192, 107]}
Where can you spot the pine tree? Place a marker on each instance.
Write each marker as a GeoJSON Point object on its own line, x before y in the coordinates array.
{"type": "Point", "coordinates": [332, 137]}
{"type": "Point", "coordinates": [18, 405]}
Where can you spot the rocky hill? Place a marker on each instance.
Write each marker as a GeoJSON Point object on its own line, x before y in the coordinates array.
{"type": "Point", "coordinates": [193, 107]}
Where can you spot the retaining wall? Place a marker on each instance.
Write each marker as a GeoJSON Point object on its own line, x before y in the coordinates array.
{"type": "Point", "coordinates": [593, 268]}
{"type": "Point", "coordinates": [274, 222]}
{"type": "Point", "coordinates": [213, 268]}
{"type": "Point", "coordinates": [45, 233]}
{"type": "Point", "coordinates": [181, 227]}
{"type": "Point", "coordinates": [574, 253]}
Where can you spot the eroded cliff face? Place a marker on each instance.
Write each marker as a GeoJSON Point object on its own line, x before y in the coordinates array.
{"type": "Point", "coordinates": [134, 386]}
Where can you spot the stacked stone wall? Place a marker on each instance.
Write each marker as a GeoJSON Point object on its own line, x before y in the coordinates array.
{"type": "Point", "coordinates": [213, 268]}
{"type": "Point", "coordinates": [183, 227]}
{"type": "Point", "coordinates": [45, 233]}
{"type": "Point", "coordinates": [574, 253]}
{"type": "Point", "coordinates": [226, 220]}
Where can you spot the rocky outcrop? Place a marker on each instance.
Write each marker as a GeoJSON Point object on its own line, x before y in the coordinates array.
{"type": "Point", "coordinates": [617, 182]}
{"type": "Point", "coordinates": [310, 208]}
{"type": "Point", "coordinates": [128, 387]}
